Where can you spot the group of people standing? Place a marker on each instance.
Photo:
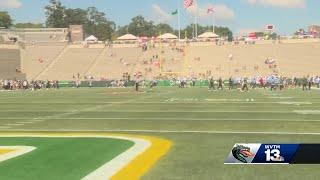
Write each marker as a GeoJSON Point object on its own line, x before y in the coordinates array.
{"type": "Point", "coordinates": [24, 84]}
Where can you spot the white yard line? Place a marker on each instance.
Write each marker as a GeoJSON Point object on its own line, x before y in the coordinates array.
{"type": "Point", "coordinates": [13, 124]}
{"type": "Point", "coordinates": [17, 151]}
{"type": "Point", "coordinates": [154, 111]}
{"type": "Point", "coordinates": [26, 122]}
{"type": "Point", "coordinates": [162, 102]}
{"type": "Point", "coordinates": [177, 119]}
{"type": "Point", "coordinates": [306, 112]}
{"type": "Point", "coordinates": [171, 131]}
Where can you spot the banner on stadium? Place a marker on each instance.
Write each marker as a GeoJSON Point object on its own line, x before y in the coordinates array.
{"type": "Point", "coordinates": [274, 154]}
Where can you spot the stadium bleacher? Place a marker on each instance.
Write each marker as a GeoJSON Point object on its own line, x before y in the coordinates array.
{"type": "Point", "coordinates": [10, 64]}
{"type": "Point", "coordinates": [46, 55]}
{"type": "Point", "coordinates": [72, 62]}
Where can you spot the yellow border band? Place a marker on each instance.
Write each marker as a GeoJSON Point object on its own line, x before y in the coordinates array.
{"type": "Point", "coordinates": [142, 163]}
{"type": "Point", "coordinates": [136, 168]}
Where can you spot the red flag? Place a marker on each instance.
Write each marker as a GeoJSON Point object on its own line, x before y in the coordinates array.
{"type": "Point", "coordinates": [187, 3]}
{"type": "Point", "coordinates": [210, 10]}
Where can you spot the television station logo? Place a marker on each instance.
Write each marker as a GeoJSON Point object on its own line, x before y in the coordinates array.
{"type": "Point", "coordinates": [261, 154]}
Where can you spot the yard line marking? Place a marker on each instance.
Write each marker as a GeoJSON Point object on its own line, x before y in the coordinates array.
{"type": "Point", "coordinates": [165, 131]}
{"type": "Point", "coordinates": [34, 120]}
{"type": "Point", "coordinates": [167, 103]}
{"type": "Point", "coordinates": [15, 151]}
{"type": "Point", "coordinates": [152, 111]}
{"type": "Point", "coordinates": [13, 124]}
{"type": "Point", "coordinates": [77, 111]}
{"type": "Point", "coordinates": [26, 122]}
{"type": "Point", "coordinates": [305, 112]}
{"type": "Point", "coordinates": [173, 119]}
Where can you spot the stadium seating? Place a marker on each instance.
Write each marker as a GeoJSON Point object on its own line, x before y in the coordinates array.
{"type": "Point", "coordinates": [73, 61]}
{"type": "Point", "coordinates": [44, 37]}
{"type": "Point", "coordinates": [116, 61]}
{"type": "Point", "coordinates": [10, 64]}
{"type": "Point", "coordinates": [37, 58]}
{"type": "Point", "coordinates": [249, 60]}
{"type": "Point", "coordinates": [59, 61]}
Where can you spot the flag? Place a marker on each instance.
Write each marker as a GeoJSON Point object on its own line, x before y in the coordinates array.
{"type": "Point", "coordinates": [210, 10]}
{"type": "Point", "coordinates": [174, 12]}
{"type": "Point", "coordinates": [187, 3]}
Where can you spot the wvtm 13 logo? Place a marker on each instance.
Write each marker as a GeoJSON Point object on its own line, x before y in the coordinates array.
{"type": "Point", "coordinates": [273, 153]}
{"type": "Point", "coordinates": [260, 154]}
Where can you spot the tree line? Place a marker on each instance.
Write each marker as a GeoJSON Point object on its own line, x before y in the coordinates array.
{"type": "Point", "coordinates": [96, 23]}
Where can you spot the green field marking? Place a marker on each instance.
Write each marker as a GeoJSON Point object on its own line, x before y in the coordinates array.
{"type": "Point", "coordinates": [60, 158]}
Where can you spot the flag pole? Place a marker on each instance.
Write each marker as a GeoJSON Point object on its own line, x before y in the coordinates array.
{"type": "Point", "coordinates": [179, 21]}
{"type": "Point", "coordinates": [196, 20]}
{"type": "Point", "coordinates": [213, 22]}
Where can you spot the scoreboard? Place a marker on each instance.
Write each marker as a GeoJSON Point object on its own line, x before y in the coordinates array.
{"type": "Point", "coordinates": [274, 154]}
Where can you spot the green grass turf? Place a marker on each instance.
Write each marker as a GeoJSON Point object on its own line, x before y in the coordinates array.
{"type": "Point", "coordinates": [196, 155]}
{"type": "Point", "coordinates": [59, 158]}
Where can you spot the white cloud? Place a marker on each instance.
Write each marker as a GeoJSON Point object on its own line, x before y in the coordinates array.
{"type": "Point", "coordinates": [160, 14]}
{"type": "Point", "coordinates": [280, 3]}
{"type": "Point", "coordinates": [221, 12]}
{"type": "Point", "coordinates": [11, 4]}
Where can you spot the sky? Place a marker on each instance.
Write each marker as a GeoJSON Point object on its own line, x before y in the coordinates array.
{"type": "Point", "coordinates": [241, 16]}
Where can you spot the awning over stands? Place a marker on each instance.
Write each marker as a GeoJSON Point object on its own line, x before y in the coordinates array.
{"type": "Point", "coordinates": [91, 39]}
{"type": "Point", "coordinates": [127, 37]}
{"type": "Point", "coordinates": [208, 35]}
{"type": "Point", "coordinates": [167, 36]}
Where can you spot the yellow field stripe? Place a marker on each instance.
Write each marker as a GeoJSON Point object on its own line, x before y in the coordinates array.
{"type": "Point", "coordinates": [5, 151]}
{"type": "Point", "coordinates": [141, 164]}
{"type": "Point", "coordinates": [137, 167]}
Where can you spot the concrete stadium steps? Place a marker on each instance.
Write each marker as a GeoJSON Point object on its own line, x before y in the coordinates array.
{"type": "Point", "coordinates": [115, 62]}
{"type": "Point", "coordinates": [37, 58]}
{"type": "Point", "coordinates": [43, 37]}
{"type": "Point", "coordinates": [61, 61]}
{"type": "Point", "coordinates": [9, 63]}
{"type": "Point", "coordinates": [172, 60]}
{"type": "Point", "coordinates": [141, 67]}
{"type": "Point", "coordinates": [292, 59]}
{"type": "Point", "coordinates": [73, 61]}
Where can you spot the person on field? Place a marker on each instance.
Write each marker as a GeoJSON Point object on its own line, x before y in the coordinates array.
{"type": "Point", "coordinates": [304, 83]}
{"type": "Point", "coordinates": [211, 83]}
{"type": "Point", "coordinates": [282, 83]}
{"type": "Point", "coordinates": [230, 83]}
{"type": "Point", "coordinates": [310, 81]}
{"type": "Point", "coordinates": [220, 84]}
{"type": "Point", "coordinates": [137, 84]}
{"type": "Point", "coordinates": [245, 85]}
{"type": "Point", "coordinates": [153, 83]}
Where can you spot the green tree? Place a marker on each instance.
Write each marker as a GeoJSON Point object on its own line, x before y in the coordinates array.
{"type": "Point", "coordinates": [141, 27]}
{"type": "Point", "coordinates": [122, 30]}
{"type": "Point", "coordinates": [164, 28]}
{"type": "Point", "coordinates": [28, 25]}
{"type": "Point", "coordinates": [223, 32]}
{"type": "Point", "coordinates": [5, 19]}
{"type": "Point", "coordinates": [55, 13]}
{"type": "Point", "coordinates": [98, 25]}
{"type": "Point", "coordinates": [75, 17]}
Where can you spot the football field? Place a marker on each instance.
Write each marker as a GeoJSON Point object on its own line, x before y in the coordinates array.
{"type": "Point", "coordinates": [201, 126]}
